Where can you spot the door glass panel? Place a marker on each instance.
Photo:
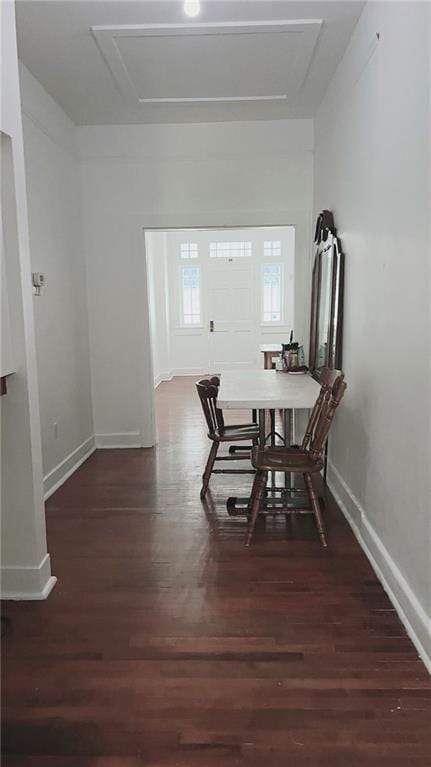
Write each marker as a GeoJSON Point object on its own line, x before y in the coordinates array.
{"type": "Point", "coordinates": [230, 249]}
{"type": "Point", "coordinates": [189, 250]}
{"type": "Point", "coordinates": [272, 289]}
{"type": "Point", "coordinates": [191, 299]}
{"type": "Point", "coordinates": [272, 248]}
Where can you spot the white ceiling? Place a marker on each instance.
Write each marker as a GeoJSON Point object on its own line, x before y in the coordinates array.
{"type": "Point", "coordinates": [137, 62]}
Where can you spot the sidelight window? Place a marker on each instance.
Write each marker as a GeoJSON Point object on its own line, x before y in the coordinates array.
{"type": "Point", "coordinates": [272, 286]}
{"type": "Point", "coordinates": [190, 295]}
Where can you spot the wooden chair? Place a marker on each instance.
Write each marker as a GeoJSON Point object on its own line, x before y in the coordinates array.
{"type": "Point", "coordinates": [306, 459]}
{"type": "Point", "coordinates": [218, 432]}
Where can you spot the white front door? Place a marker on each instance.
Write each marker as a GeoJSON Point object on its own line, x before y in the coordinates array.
{"type": "Point", "coordinates": [232, 316]}
{"type": "Point", "coordinates": [229, 292]}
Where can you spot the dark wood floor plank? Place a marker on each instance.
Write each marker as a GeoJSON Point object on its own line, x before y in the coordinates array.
{"type": "Point", "coordinates": [167, 643]}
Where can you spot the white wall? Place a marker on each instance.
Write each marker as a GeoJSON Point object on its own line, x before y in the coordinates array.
{"type": "Point", "coordinates": [55, 223]}
{"type": "Point", "coordinates": [158, 295]}
{"type": "Point", "coordinates": [7, 362]}
{"type": "Point", "coordinates": [25, 563]}
{"type": "Point", "coordinates": [372, 169]}
{"type": "Point", "coordinates": [161, 176]}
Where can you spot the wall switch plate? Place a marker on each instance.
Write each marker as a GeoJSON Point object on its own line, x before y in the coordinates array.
{"type": "Point", "coordinates": [39, 281]}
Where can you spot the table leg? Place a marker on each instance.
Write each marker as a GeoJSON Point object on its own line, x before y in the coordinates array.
{"type": "Point", "coordinates": [287, 414]}
{"type": "Point", "coordinates": [262, 428]}
{"type": "Point", "coordinates": [288, 430]}
{"type": "Point", "coordinates": [272, 443]}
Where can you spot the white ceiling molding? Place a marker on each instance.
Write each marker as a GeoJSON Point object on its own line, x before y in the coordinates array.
{"type": "Point", "coordinates": [213, 62]}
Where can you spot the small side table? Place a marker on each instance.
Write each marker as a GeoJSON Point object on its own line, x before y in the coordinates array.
{"type": "Point", "coordinates": [269, 352]}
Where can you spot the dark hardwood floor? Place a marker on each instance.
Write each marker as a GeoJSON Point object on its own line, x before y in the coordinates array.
{"type": "Point", "coordinates": [167, 643]}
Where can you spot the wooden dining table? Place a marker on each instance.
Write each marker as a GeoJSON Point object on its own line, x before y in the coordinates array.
{"type": "Point", "coordinates": [267, 390]}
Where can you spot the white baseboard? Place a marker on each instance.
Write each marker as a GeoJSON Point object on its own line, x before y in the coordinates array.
{"type": "Point", "coordinates": [163, 377]}
{"type": "Point", "coordinates": [27, 583]}
{"type": "Point", "coordinates": [57, 476]}
{"type": "Point", "coordinates": [120, 440]}
{"type": "Point", "coordinates": [182, 372]}
{"type": "Point", "coordinates": [191, 372]}
{"type": "Point", "coordinates": [409, 609]}
{"type": "Point", "coordinates": [179, 372]}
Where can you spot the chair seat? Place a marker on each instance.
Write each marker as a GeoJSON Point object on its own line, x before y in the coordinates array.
{"type": "Point", "coordinates": [279, 458]}
{"type": "Point", "coordinates": [238, 432]}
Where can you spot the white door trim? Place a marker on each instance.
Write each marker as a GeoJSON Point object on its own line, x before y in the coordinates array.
{"type": "Point", "coordinates": [223, 219]}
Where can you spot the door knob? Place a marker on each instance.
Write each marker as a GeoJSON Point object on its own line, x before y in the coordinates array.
{"type": "Point", "coordinates": [211, 326]}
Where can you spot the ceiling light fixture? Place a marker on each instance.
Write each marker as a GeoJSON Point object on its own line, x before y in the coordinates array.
{"type": "Point", "coordinates": [192, 8]}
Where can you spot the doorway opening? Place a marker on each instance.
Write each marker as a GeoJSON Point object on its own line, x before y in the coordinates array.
{"type": "Point", "coordinates": [216, 295]}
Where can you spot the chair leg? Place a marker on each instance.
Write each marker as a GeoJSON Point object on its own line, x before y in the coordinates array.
{"type": "Point", "coordinates": [316, 508]}
{"type": "Point", "coordinates": [208, 469]}
{"type": "Point", "coordinates": [259, 486]}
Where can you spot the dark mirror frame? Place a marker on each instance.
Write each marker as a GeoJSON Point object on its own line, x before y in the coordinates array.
{"type": "Point", "coordinates": [327, 243]}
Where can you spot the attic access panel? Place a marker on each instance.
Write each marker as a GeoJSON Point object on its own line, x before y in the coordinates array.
{"type": "Point", "coordinates": [254, 61]}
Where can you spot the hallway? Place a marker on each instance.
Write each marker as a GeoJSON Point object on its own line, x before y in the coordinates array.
{"type": "Point", "coordinates": [167, 642]}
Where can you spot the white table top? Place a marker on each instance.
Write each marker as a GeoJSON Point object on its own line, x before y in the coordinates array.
{"type": "Point", "coordinates": [270, 348]}
{"type": "Point", "coordinates": [266, 390]}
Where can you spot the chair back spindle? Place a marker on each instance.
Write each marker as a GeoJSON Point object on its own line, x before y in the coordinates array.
{"type": "Point", "coordinates": [332, 397]}
{"type": "Point", "coordinates": [327, 380]}
{"type": "Point", "coordinates": [207, 389]}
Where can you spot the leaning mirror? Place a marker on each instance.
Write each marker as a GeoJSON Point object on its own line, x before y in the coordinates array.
{"type": "Point", "coordinates": [326, 297]}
